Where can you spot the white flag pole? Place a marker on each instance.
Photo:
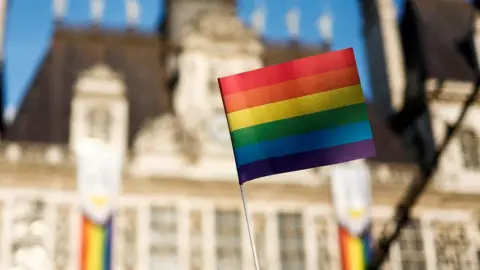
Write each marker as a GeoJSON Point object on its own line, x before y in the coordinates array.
{"type": "Point", "coordinates": [247, 221]}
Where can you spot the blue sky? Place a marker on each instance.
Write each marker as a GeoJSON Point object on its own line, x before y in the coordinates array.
{"type": "Point", "coordinates": [30, 25]}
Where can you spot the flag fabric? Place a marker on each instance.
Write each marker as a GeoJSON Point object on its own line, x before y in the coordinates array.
{"type": "Point", "coordinates": [356, 251]}
{"type": "Point", "coordinates": [352, 199]}
{"type": "Point", "coordinates": [99, 171]}
{"type": "Point", "coordinates": [96, 245]}
{"type": "Point", "coordinates": [297, 115]}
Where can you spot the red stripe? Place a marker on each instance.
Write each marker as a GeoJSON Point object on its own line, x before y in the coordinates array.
{"type": "Point", "coordinates": [84, 244]}
{"type": "Point", "coordinates": [292, 70]}
{"type": "Point", "coordinates": [292, 89]}
{"type": "Point", "coordinates": [343, 236]}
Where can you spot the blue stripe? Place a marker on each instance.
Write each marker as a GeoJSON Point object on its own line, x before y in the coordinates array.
{"type": "Point", "coordinates": [303, 142]}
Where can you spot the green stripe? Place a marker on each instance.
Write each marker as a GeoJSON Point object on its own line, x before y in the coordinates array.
{"type": "Point", "coordinates": [299, 125]}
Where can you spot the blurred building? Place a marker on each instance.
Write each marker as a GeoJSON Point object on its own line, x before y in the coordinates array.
{"type": "Point", "coordinates": [154, 97]}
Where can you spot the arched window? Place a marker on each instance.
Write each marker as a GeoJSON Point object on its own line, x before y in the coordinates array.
{"type": "Point", "coordinates": [470, 149]}
{"type": "Point", "coordinates": [99, 123]}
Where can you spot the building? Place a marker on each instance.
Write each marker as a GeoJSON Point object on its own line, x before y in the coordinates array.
{"type": "Point", "coordinates": [154, 97]}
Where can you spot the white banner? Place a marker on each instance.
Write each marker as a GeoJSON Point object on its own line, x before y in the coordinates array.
{"type": "Point", "coordinates": [99, 174]}
{"type": "Point", "coordinates": [352, 195]}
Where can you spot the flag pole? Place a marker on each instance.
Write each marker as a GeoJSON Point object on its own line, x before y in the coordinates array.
{"type": "Point", "coordinates": [252, 241]}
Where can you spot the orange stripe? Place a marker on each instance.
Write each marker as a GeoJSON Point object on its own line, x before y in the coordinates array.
{"type": "Point", "coordinates": [84, 243]}
{"type": "Point", "coordinates": [292, 70]}
{"type": "Point", "coordinates": [343, 236]}
{"type": "Point", "coordinates": [292, 89]}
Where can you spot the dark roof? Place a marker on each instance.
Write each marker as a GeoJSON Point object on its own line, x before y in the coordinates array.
{"type": "Point", "coordinates": [390, 147]}
{"type": "Point", "coordinates": [45, 111]}
{"type": "Point", "coordinates": [276, 53]}
{"type": "Point", "coordinates": [439, 35]}
{"type": "Point", "coordinates": [44, 114]}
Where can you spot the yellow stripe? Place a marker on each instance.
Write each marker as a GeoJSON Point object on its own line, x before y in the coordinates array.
{"type": "Point", "coordinates": [95, 250]}
{"type": "Point", "coordinates": [356, 254]}
{"type": "Point", "coordinates": [296, 107]}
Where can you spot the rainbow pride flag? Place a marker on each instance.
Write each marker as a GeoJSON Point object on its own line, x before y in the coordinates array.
{"type": "Point", "coordinates": [96, 249]}
{"type": "Point", "coordinates": [356, 251]}
{"type": "Point", "coordinates": [297, 115]}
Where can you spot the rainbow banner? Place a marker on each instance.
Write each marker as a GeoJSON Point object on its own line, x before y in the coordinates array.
{"type": "Point", "coordinates": [356, 251]}
{"type": "Point", "coordinates": [297, 115]}
{"type": "Point", "coordinates": [352, 199]}
{"type": "Point", "coordinates": [96, 245]}
{"type": "Point", "coordinates": [99, 170]}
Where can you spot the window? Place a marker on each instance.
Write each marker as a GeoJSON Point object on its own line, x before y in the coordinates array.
{"type": "Point", "coordinates": [99, 123]}
{"type": "Point", "coordinates": [411, 247]}
{"type": "Point", "coordinates": [470, 149]}
{"type": "Point", "coordinates": [377, 228]}
{"type": "Point", "coordinates": [292, 253]}
{"type": "Point", "coordinates": [229, 240]}
{"type": "Point", "coordinates": [163, 238]}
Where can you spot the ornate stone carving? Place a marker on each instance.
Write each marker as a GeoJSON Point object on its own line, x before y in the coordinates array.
{"type": "Point", "coordinates": [28, 153]}
{"type": "Point", "coordinates": [221, 33]}
{"type": "Point", "coordinates": [165, 135]}
{"type": "Point", "coordinates": [451, 246]}
{"type": "Point", "coordinates": [387, 174]}
{"type": "Point", "coordinates": [53, 155]}
{"type": "Point", "coordinates": [13, 152]}
{"type": "Point", "coordinates": [29, 231]}
{"type": "Point", "coordinates": [100, 79]}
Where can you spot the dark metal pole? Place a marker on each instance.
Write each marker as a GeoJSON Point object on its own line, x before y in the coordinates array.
{"type": "Point", "coordinates": [415, 190]}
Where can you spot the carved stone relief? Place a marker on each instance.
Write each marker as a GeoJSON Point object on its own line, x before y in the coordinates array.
{"type": "Point", "coordinates": [165, 135]}
{"type": "Point", "coordinates": [217, 26]}
{"type": "Point", "coordinates": [198, 125]}
{"type": "Point", "coordinates": [29, 232]}
{"type": "Point", "coordinates": [451, 246]}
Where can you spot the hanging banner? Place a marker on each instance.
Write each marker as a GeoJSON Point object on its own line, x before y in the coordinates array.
{"type": "Point", "coordinates": [352, 198]}
{"type": "Point", "coordinates": [99, 179]}
{"type": "Point", "coordinates": [351, 191]}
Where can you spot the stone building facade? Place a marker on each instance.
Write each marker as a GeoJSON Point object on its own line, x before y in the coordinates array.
{"type": "Point", "coordinates": [154, 97]}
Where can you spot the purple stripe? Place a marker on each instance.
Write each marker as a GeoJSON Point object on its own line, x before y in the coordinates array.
{"type": "Point", "coordinates": [306, 160]}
